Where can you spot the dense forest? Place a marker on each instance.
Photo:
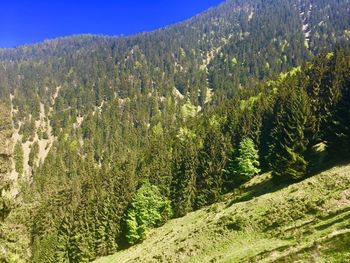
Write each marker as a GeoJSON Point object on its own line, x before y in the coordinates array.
{"type": "Point", "coordinates": [104, 138]}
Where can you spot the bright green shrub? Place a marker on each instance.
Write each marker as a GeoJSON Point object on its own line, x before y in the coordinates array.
{"type": "Point", "coordinates": [245, 162]}
{"type": "Point", "coordinates": [248, 159]}
{"type": "Point", "coordinates": [147, 210]}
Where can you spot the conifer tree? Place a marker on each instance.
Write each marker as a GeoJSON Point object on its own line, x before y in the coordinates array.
{"type": "Point", "coordinates": [291, 134]}
{"type": "Point", "coordinates": [183, 188]}
{"type": "Point", "coordinates": [248, 159]}
{"type": "Point", "coordinates": [18, 156]}
{"type": "Point", "coordinates": [6, 201]}
{"type": "Point", "coordinates": [338, 126]}
{"type": "Point", "coordinates": [318, 88]}
{"type": "Point", "coordinates": [212, 160]}
{"type": "Point", "coordinates": [338, 132]}
{"type": "Point", "coordinates": [244, 163]}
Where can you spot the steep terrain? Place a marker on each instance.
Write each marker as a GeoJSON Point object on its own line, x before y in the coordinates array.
{"type": "Point", "coordinates": [94, 118]}
{"type": "Point", "coordinates": [304, 222]}
{"type": "Point", "coordinates": [206, 59]}
{"type": "Point", "coordinates": [5, 161]}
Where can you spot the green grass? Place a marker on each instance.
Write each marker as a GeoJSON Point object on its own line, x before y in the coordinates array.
{"type": "Point", "coordinates": [303, 222]}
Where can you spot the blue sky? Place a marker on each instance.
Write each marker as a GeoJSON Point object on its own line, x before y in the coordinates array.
{"type": "Point", "coordinates": [30, 21]}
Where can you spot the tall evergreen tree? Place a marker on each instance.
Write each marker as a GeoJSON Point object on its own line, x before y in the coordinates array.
{"type": "Point", "coordinates": [338, 132]}
{"type": "Point", "coordinates": [6, 201]}
{"type": "Point", "coordinates": [248, 159]}
{"type": "Point", "coordinates": [291, 133]}
{"type": "Point", "coordinates": [212, 160]}
{"type": "Point", "coordinates": [183, 189]}
{"type": "Point", "coordinates": [18, 156]}
{"type": "Point", "coordinates": [244, 163]}
{"type": "Point", "coordinates": [338, 125]}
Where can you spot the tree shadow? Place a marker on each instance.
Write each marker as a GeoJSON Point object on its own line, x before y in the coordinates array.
{"type": "Point", "coordinates": [247, 193]}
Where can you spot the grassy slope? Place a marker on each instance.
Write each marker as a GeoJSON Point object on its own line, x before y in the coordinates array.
{"type": "Point", "coordinates": [304, 222]}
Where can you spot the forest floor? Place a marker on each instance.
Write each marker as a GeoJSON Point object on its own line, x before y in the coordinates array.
{"type": "Point", "coordinates": [307, 221]}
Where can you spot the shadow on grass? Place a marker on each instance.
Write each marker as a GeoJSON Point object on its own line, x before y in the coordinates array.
{"type": "Point", "coordinates": [333, 162]}
{"type": "Point", "coordinates": [271, 185]}
{"type": "Point", "coordinates": [250, 192]}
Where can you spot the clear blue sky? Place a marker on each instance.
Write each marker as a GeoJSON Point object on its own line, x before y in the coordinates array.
{"type": "Point", "coordinates": [30, 21]}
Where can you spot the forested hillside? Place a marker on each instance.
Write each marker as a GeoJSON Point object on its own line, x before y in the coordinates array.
{"type": "Point", "coordinates": [106, 127]}
{"type": "Point", "coordinates": [258, 223]}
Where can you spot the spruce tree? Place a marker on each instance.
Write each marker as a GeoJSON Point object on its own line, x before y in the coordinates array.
{"type": "Point", "coordinates": [212, 159]}
{"type": "Point", "coordinates": [338, 132]}
{"type": "Point", "coordinates": [248, 159]}
{"type": "Point", "coordinates": [338, 125]}
{"type": "Point", "coordinates": [244, 163]}
{"type": "Point", "coordinates": [291, 134]}
{"type": "Point", "coordinates": [183, 187]}
{"type": "Point", "coordinates": [6, 200]}
{"type": "Point", "coordinates": [18, 156]}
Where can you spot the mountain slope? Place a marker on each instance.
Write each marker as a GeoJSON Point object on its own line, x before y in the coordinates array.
{"type": "Point", "coordinates": [261, 37]}
{"type": "Point", "coordinates": [221, 50]}
{"type": "Point", "coordinates": [96, 117]}
{"type": "Point", "coordinates": [308, 221]}
{"type": "Point", "coordinates": [206, 59]}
